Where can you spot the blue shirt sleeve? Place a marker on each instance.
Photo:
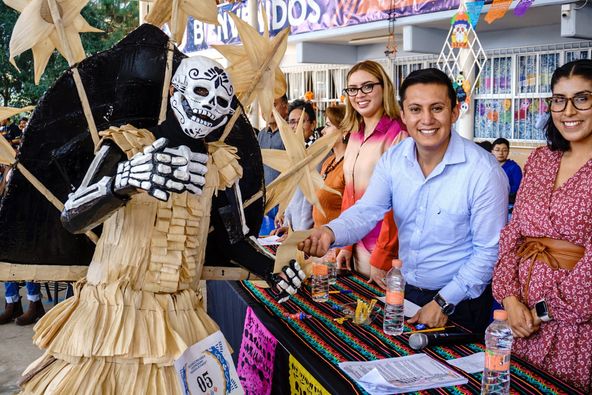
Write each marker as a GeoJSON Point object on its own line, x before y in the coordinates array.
{"type": "Point", "coordinates": [355, 223]}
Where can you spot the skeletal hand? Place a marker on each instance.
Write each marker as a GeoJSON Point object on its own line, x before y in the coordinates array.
{"type": "Point", "coordinates": [288, 282]}
{"type": "Point", "coordinates": [161, 170]}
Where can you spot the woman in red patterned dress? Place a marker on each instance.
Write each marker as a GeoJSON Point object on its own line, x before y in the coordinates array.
{"type": "Point", "coordinates": [544, 273]}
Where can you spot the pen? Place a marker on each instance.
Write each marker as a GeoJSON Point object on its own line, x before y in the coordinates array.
{"type": "Point", "coordinates": [341, 291]}
{"type": "Point", "coordinates": [432, 329]}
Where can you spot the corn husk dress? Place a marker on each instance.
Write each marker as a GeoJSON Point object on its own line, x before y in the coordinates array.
{"type": "Point", "coordinates": [138, 308]}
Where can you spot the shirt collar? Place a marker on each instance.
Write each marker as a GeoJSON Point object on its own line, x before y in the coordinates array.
{"type": "Point", "coordinates": [455, 152]}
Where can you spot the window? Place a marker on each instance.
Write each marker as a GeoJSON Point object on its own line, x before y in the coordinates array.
{"type": "Point", "coordinates": [511, 91]}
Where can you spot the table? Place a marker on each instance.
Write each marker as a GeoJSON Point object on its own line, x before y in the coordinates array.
{"type": "Point", "coordinates": [319, 343]}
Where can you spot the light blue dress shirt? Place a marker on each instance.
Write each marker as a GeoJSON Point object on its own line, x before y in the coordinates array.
{"type": "Point", "coordinates": [449, 222]}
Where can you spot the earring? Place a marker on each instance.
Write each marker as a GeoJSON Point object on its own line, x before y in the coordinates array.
{"type": "Point", "coordinates": [345, 138]}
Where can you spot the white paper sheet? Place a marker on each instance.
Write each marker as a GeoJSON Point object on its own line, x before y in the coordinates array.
{"type": "Point", "coordinates": [404, 374]}
{"type": "Point", "coordinates": [409, 308]}
{"type": "Point", "coordinates": [471, 364]}
{"type": "Point", "coordinates": [269, 241]}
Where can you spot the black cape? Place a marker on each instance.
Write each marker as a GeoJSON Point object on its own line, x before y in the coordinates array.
{"type": "Point", "coordinates": [123, 85]}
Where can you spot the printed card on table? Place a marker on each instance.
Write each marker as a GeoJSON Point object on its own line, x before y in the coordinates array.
{"type": "Point", "coordinates": [207, 368]}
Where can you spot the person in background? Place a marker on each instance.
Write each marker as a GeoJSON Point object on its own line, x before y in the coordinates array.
{"type": "Point", "coordinates": [332, 169]}
{"type": "Point", "coordinates": [11, 132]}
{"type": "Point", "coordinates": [13, 309]}
{"type": "Point", "coordinates": [486, 145]}
{"type": "Point", "coordinates": [269, 138]}
{"type": "Point", "coordinates": [544, 273]}
{"type": "Point", "coordinates": [449, 199]}
{"type": "Point", "coordinates": [309, 125]}
{"type": "Point", "coordinates": [298, 214]}
{"type": "Point", "coordinates": [23, 122]}
{"type": "Point", "coordinates": [372, 116]}
{"type": "Point", "coordinates": [501, 150]}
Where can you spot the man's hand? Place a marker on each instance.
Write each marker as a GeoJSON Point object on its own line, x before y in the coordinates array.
{"type": "Point", "coordinates": [318, 243]}
{"type": "Point", "coordinates": [343, 260]}
{"type": "Point", "coordinates": [288, 282]}
{"type": "Point", "coordinates": [520, 317]}
{"type": "Point", "coordinates": [430, 314]}
{"type": "Point", "coordinates": [377, 276]}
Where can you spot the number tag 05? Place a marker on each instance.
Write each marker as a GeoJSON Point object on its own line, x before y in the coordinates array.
{"type": "Point", "coordinates": [207, 368]}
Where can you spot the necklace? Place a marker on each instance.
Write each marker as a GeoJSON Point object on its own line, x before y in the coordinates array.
{"type": "Point", "coordinates": [331, 166]}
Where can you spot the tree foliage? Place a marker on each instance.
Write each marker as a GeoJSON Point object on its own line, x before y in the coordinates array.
{"type": "Point", "coordinates": [115, 17]}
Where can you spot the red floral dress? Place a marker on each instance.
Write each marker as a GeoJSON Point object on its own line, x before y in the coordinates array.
{"type": "Point", "coordinates": [563, 346]}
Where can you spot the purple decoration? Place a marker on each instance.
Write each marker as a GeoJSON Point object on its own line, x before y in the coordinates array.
{"type": "Point", "coordinates": [521, 8]}
{"type": "Point", "coordinates": [256, 357]}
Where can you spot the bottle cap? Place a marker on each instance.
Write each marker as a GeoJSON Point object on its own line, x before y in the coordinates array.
{"type": "Point", "coordinates": [397, 263]}
{"type": "Point", "coordinates": [500, 315]}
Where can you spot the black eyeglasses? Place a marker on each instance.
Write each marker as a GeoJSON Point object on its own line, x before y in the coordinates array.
{"type": "Point", "coordinates": [581, 101]}
{"type": "Point", "coordinates": [366, 88]}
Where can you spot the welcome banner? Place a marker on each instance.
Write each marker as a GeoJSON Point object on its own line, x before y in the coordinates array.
{"type": "Point", "coordinates": [304, 16]}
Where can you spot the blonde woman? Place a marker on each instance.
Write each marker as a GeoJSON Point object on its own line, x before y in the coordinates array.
{"type": "Point", "coordinates": [373, 117]}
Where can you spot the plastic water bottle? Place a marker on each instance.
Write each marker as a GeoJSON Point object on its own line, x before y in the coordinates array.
{"type": "Point", "coordinates": [498, 344]}
{"type": "Point", "coordinates": [395, 296]}
{"type": "Point", "coordinates": [320, 282]}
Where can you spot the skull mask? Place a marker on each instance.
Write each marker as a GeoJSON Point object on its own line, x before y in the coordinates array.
{"type": "Point", "coordinates": [202, 96]}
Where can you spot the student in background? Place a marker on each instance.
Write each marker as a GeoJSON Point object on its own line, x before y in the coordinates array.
{"type": "Point", "coordinates": [501, 151]}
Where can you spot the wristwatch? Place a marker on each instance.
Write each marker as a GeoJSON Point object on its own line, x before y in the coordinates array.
{"type": "Point", "coordinates": [447, 308]}
{"type": "Point", "coordinates": [542, 310]}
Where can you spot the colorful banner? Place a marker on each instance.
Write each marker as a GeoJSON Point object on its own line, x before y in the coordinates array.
{"type": "Point", "coordinates": [521, 8]}
{"type": "Point", "coordinates": [474, 10]}
{"type": "Point", "coordinates": [497, 10]}
{"type": "Point", "coordinates": [304, 16]}
{"type": "Point", "coordinates": [302, 382]}
{"type": "Point", "coordinates": [257, 353]}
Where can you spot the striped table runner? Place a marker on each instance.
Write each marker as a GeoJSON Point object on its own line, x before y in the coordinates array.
{"type": "Point", "coordinates": [334, 343]}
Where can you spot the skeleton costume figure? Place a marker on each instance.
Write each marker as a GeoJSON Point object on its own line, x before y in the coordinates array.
{"type": "Point", "coordinates": [138, 308]}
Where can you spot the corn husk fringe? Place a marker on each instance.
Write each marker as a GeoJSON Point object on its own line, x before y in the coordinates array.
{"type": "Point", "coordinates": [137, 310]}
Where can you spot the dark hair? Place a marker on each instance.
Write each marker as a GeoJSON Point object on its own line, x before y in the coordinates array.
{"type": "Point", "coordinates": [283, 98]}
{"type": "Point", "coordinates": [24, 119]}
{"type": "Point", "coordinates": [305, 106]}
{"type": "Point", "coordinates": [582, 68]}
{"type": "Point", "coordinates": [499, 141]}
{"type": "Point", "coordinates": [428, 76]}
{"type": "Point", "coordinates": [486, 145]}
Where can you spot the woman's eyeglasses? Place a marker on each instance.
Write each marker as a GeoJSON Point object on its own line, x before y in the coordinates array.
{"type": "Point", "coordinates": [581, 101]}
{"type": "Point", "coordinates": [366, 88]}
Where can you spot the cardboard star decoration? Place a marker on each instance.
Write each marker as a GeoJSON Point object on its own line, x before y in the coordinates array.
{"type": "Point", "coordinates": [35, 30]}
{"type": "Point", "coordinates": [297, 166]}
{"type": "Point", "coordinates": [161, 12]}
{"type": "Point", "coordinates": [246, 60]}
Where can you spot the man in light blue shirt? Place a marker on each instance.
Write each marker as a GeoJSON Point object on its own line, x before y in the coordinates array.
{"type": "Point", "coordinates": [449, 199]}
